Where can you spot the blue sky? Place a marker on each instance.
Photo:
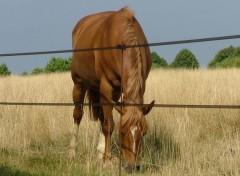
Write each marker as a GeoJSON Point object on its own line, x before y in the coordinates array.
{"type": "Point", "coordinates": [29, 25]}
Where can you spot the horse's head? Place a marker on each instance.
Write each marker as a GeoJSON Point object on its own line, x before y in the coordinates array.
{"type": "Point", "coordinates": [132, 131]}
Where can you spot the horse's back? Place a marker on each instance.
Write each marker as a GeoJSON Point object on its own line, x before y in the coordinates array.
{"type": "Point", "coordinates": [94, 31]}
{"type": "Point", "coordinates": [87, 27]}
{"type": "Point", "coordinates": [83, 63]}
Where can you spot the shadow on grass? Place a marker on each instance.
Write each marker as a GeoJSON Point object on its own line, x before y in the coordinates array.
{"type": "Point", "coordinates": [159, 148]}
{"type": "Point", "coordinates": [9, 171]}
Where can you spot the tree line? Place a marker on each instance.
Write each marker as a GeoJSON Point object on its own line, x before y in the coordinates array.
{"type": "Point", "coordinates": [226, 58]}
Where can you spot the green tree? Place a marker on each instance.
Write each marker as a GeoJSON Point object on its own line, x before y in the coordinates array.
{"type": "Point", "coordinates": [236, 52]}
{"type": "Point", "coordinates": [37, 71]}
{"type": "Point", "coordinates": [226, 58]}
{"type": "Point", "coordinates": [229, 63]}
{"type": "Point", "coordinates": [58, 65]}
{"type": "Point", "coordinates": [24, 73]}
{"type": "Point", "coordinates": [185, 59]}
{"type": "Point", "coordinates": [221, 55]}
{"type": "Point", "coordinates": [4, 71]}
{"type": "Point", "coordinates": [157, 61]}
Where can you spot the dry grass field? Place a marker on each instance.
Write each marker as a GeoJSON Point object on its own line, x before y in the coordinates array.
{"type": "Point", "coordinates": [34, 140]}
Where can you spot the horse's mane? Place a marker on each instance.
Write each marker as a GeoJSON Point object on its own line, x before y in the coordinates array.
{"type": "Point", "coordinates": [134, 90]}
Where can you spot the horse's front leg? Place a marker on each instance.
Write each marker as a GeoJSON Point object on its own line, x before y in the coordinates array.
{"type": "Point", "coordinates": [107, 123]}
{"type": "Point", "coordinates": [107, 127]}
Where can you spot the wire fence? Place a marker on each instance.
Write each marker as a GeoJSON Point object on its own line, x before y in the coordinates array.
{"type": "Point", "coordinates": [124, 47]}
{"type": "Point", "coordinates": [189, 106]}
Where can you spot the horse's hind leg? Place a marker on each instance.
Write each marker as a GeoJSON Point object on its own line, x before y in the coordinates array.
{"type": "Point", "coordinates": [79, 91]}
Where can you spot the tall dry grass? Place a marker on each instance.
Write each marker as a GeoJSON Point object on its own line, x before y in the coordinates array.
{"type": "Point", "coordinates": [35, 139]}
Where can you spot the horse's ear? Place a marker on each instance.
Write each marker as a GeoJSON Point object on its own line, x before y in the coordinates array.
{"type": "Point", "coordinates": [147, 108]}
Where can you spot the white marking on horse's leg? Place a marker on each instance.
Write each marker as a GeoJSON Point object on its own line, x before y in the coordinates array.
{"type": "Point", "coordinates": [74, 141]}
{"type": "Point", "coordinates": [133, 131]}
{"type": "Point", "coordinates": [122, 95]}
{"type": "Point", "coordinates": [101, 145]}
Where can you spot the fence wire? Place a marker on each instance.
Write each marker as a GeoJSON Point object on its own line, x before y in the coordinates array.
{"type": "Point", "coordinates": [180, 106]}
{"type": "Point", "coordinates": [123, 47]}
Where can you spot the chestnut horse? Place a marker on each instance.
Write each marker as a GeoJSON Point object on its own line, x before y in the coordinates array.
{"type": "Point", "coordinates": [99, 74]}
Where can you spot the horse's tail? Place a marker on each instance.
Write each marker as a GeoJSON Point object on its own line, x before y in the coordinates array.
{"type": "Point", "coordinates": [95, 111]}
